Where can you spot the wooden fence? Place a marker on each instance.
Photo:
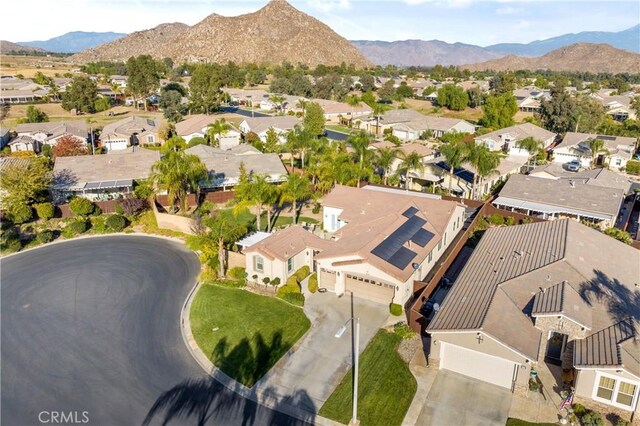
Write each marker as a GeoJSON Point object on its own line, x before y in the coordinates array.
{"type": "Point", "coordinates": [217, 197]}
{"type": "Point", "coordinates": [63, 211]}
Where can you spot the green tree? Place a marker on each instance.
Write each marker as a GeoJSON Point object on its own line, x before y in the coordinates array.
{"type": "Point", "coordinates": [173, 144]}
{"type": "Point", "coordinates": [560, 113]}
{"type": "Point", "coordinates": [36, 115]}
{"type": "Point", "coordinates": [532, 146]}
{"type": "Point", "coordinates": [257, 192]}
{"type": "Point", "coordinates": [411, 162]}
{"type": "Point", "coordinates": [596, 146]}
{"type": "Point", "coordinates": [103, 103]}
{"type": "Point", "coordinates": [314, 120]}
{"type": "Point", "coordinates": [142, 77]}
{"type": "Point", "coordinates": [453, 97]}
{"type": "Point", "coordinates": [499, 111]}
{"type": "Point", "coordinates": [484, 161]}
{"type": "Point", "coordinates": [590, 114]}
{"type": "Point", "coordinates": [178, 173]}
{"type": "Point", "coordinates": [476, 97]}
{"type": "Point", "coordinates": [296, 189]}
{"type": "Point", "coordinates": [502, 84]}
{"type": "Point", "coordinates": [367, 83]}
{"type": "Point", "coordinates": [222, 231]}
{"type": "Point", "coordinates": [454, 154]}
{"type": "Point", "coordinates": [171, 104]}
{"type": "Point", "coordinates": [25, 185]}
{"type": "Point", "coordinates": [81, 94]}
{"type": "Point", "coordinates": [81, 206]}
{"type": "Point", "coordinates": [387, 91]}
{"type": "Point", "coordinates": [360, 142]}
{"type": "Point", "coordinates": [403, 91]}
{"type": "Point", "coordinates": [204, 88]}
{"type": "Point", "coordinates": [385, 159]}
{"type": "Point", "coordinates": [217, 129]}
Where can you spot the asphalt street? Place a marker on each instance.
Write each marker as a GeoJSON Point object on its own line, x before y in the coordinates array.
{"type": "Point", "coordinates": [91, 327]}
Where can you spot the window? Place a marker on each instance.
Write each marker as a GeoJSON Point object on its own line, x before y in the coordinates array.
{"type": "Point", "coordinates": [616, 391]}
{"type": "Point", "coordinates": [150, 139]}
{"type": "Point", "coordinates": [290, 264]}
{"type": "Point", "coordinates": [430, 256]}
{"type": "Point", "coordinates": [618, 161]}
{"type": "Point", "coordinates": [258, 264]}
{"type": "Point", "coordinates": [439, 245]}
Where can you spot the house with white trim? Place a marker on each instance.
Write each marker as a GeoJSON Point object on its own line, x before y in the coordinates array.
{"type": "Point", "coordinates": [507, 139]}
{"type": "Point", "coordinates": [575, 146]}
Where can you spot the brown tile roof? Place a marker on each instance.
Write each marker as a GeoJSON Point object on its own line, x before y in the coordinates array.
{"type": "Point", "coordinates": [562, 299]}
{"type": "Point", "coordinates": [289, 242]}
{"type": "Point", "coordinates": [194, 124]}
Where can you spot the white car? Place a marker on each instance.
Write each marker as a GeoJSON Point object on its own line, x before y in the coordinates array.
{"type": "Point", "coordinates": [573, 165]}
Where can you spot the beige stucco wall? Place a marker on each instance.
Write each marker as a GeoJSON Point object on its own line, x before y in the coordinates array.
{"type": "Point", "coordinates": [276, 267]}
{"type": "Point", "coordinates": [585, 383]}
{"type": "Point", "coordinates": [173, 222]}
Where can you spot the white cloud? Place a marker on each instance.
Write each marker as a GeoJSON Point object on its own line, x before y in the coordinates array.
{"type": "Point", "coordinates": [329, 5]}
{"type": "Point", "coordinates": [509, 10]}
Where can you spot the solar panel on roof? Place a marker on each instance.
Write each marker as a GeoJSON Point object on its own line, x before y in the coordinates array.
{"type": "Point", "coordinates": [402, 258]}
{"type": "Point", "coordinates": [411, 211]}
{"type": "Point", "coordinates": [422, 237]}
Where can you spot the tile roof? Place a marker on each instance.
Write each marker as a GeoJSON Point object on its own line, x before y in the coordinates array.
{"type": "Point", "coordinates": [261, 124]}
{"type": "Point", "coordinates": [133, 124]}
{"type": "Point", "coordinates": [562, 299]}
{"type": "Point", "coordinates": [55, 129]}
{"type": "Point", "coordinates": [194, 124]}
{"type": "Point", "coordinates": [520, 132]}
{"type": "Point", "coordinates": [288, 242]}
{"type": "Point", "coordinates": [578, 141]}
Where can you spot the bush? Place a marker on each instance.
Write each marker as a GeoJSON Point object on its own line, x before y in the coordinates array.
{"type": "Point", "coordinates": [294, 298]}
{"type": "Point", "coordinates": [395, 309]}
{"type": "Point", "coordinates": [19, 213]}
{"type": "Point", "coordinates": [403, 330]}
{"type": "Point", "coordinates": [78, 226]}
{"type": "Point", "coordinates": [633, 167]}
{"type": "Point", "coordinates": [579, 410]}
{"type": "Point", "coordinates": [302, 273]}
{"type": "Point", "coordinates": [510, 221]}
{"type": "Point", "coordinates": [237, 273]}
{"type": "Point", "coordinates": [275, 282]}
{"type": "Point", "coordinates": [45, 236]}
{"type": "Point", "coordinates": [313, 283]}
{"type": "Point", "coordinates": [266, 281]}
{"type": "Point", "coordinates": [291, 286]}
{"type": "Point", "coordinates": [495, 219]}
{"type": "Point", "coordinates": [81, 206]}
{"type": "Point", "coordinates": [132, 206]}
{"type": "Point", "coordinates": [45, 210]}
{"type": "Point", "coordinates": [316, 208]}
{"type": "Point", "coordinates": [591, 418]}
{"type": "Point", "coordinates": [143, 190]}
{"type": "Point", "coordinates": [118, 208]}
{"type": "Point", "coordinates": [98, 225]}
{"type": "Point", "coordinates": [116, 222]}
{"type": "Point", "coordinates": [10, 245]}
{"type": "Point", "coordinates": [619, 235]}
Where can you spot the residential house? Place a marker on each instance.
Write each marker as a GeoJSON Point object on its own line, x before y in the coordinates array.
{"type": "Point", "coordinates": [575, 146]}
{"type": "Point", "coordinates": [197, 126]}
{"type": "Point", "coordinates": [119, 80]}
{"type": "Point", "coordinates": [31, 136]}
{"type": "Point", "coordinates": [341, 112]}
{"type": "Point", "coordinates": [422, 150]}
{"type": "Point", "coordinates": [507, 139]}
{"type": "Point", "coordinates": [540, 294]}
{"type": "Point", "coordinates": [131, 131]}
{"type": "Point", "coordinates": [408, 124]}
{"type": "Point", "coordinates": [598, 176]}
{"type": "Point", "coordinates": [101, 177]}
{"type": "Point", "coordinates": [224, 165]}
{"type": "Point", "coordinates": [282, 125]}
{"type": "Point", "coordinates": [617, 107]}
{"type": "Point", "coordinates": [529, 98]}
{"type": "Point", "coordinates": [580, 199]}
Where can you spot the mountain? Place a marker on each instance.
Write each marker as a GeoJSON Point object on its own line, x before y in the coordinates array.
{"type": "Point", "coordinates": [628, 39]}
{"type": "Point", "coordinates": [577, 57]}
{"type": "Point", "coordinates": [137, 43]}
{"type": "Point", "coordinates": [422, 53]}
{"type": "Point", "coordinates": [9, 47]}
{"type": "Point", "coordinates": [73, 42]}
{"type": "Point", "coordinates": [278, 32]}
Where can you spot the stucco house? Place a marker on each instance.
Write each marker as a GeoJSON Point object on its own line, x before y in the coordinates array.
{"type": "Point", "coordinates": [544, 294]}
{"type": "Point", "coordinates": [507, 139]}
{"type": "Point", "coordinates": [409, 125]}
{"type": "Point", "coordinates": [32, 136]}
{"type": "Point", "coordinates": [282, 125]}
{"type": "Point", "coordinates": [575, 146]}
{"type": "Point", "coordinates": [131, 131]}
{"type": "Point", "coordinates": [197, 126]}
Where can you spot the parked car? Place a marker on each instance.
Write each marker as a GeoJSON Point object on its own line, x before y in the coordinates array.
{"type": "Point", "coordinates": [573, 165]}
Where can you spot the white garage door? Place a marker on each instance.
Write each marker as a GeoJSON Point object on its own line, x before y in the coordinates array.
{"type": "Point", "coordinates": [370, 289]}
{"type": "Point", "coordinates": [478, 365]}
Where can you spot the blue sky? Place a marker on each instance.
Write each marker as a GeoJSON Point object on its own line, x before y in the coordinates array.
{"type": "Point", "coordinates": [480, 22]}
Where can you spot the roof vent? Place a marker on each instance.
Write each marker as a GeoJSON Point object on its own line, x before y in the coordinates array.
{"type": "Point", "coordinates": [572, 183]}
{"type": "Point", "coordinates": [518, 253]}
{"type": "Point", "coordinates": [542, 290]}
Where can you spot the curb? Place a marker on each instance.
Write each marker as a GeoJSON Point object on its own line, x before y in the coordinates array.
{"type": "Point", "coordinates": [254, 394]}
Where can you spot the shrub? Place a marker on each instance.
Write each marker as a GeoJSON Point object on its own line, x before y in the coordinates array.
{"type": "Point", "coordinates": [266, 281]}
{"type": "Point", "coordinates": [19, 213]}
{"type": "Point", "coordinates": [45, 210]}
{"type": "Point", "coordinates": [131, 206]}
{"type": "Point", "coordinates": [118, 208]}
{"type": "Point", "coordinates": [116, 222]}
{"type": "Point", "coordinates": [45, 236]}
{"type": "Point", "coordinates": [10, 245]}
{"type": "Point", "coordinates": [98, 225]}
{"type": "Point", "coordinates": [81, 206]}
{"type": "Point", "coordinates": [510, 221]}
{"type": "Point", "coordinates": [495, 219]}
{"type": "Point", "coordinates": [255, 277]}
{"type": "Point", "coordinates": [316, 208]}
{"type": "Point", "coordinates": [313, 283]}
{"type": "Point", "coordinates": [579, 410]}
{"type": "Point", "coordinates": [403, 330]}
{"type": "Point", "coordinates": [291, 286]}
{"type": "Point", "coordinates": [395, 309]}
{"type": "Point", "coordinates": [591, 418]}
{"type": "Point", "coordinates": [619, 235]}
{"type": "Point", "coordinates": [275, 282]}
{"type": "Point", "coordinates": [302, 273]}
{"type": "Point", "coordinates": [238, 273]}
{"type": "Point", "coordinates": [294, 298]}
{"type": "Point", "coordinates": [78, 226]}
{"type": "Point", "coordinates": [143, 190]}
{"type": "Point", "coordinates": [633, 167]}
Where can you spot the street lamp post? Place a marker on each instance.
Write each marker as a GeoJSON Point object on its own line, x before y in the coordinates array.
{"type": "Point", "coordinates": [355, 352]}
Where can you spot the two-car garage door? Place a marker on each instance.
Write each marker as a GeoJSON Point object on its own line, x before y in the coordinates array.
{"type": "Point", "coordinates": [370, 289]}
{"type": "Point", "coordinates": [478, 365]}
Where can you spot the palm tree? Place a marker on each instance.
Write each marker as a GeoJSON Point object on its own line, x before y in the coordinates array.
{"type": "Point", "coordinates": [277, 100]}
{"type": "Point", "coordinates": [454, 155]}
{"type": "Point", "coordinates": [532, 146]}
{"type": "Point", "coordinates": [353, 101]}
{"type": "Point", "coordinates": [378, 110]}
{"type": "Point", "coordinates": [410, 162]}
{"type": "Point", "coordinates": [216, 129]}
{"type": "Point", "coordinates": [484, 161]}
{"type": "Point", "coordinates": [178, 173]}
{"type": "Point", "coordinates": [596, 146]}
{"type": "Point", "coordinates": [385, 159]}
{"type": "Point", "coordinates": [258, 193]}
{"type": "Point", "coordinates": [295, 189]}
{"type": "Point", "coordinates": [302, 104]}
{"type": "Point", "coordinates": [360, 142]}
{"type": "Point", "coordinates": [223, 230]}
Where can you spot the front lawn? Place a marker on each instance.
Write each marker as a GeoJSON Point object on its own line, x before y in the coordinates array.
{"type": "Point", "coordinates": [386, 386]}
{"type": "Point", "coordinates": [242, 333]}
{"type": "Point", "coordinates": [518, 422]}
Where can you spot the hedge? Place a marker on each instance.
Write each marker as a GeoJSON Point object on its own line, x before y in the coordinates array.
{"type": "Point", "coordinates": [237, 273]}
{"type": "Point", "coordinates": [302, 273]}
{"type": "Point", "coordinates": [81, 206]}
{"type": "Point", "coordinates": [633, 167]}
{"type": "Point", "coordinates": [45, 210]}
{"type": "Point", "coordinates": [290, 287]}
{"type": "Point", "coordinates": [10, 245]}
{"type": "Point", "coordinates": [294, 298]}
{"type": "Point", "coordinates": [313, 283]}
{"type": "Point", "coordinates": [116, 222]}
{"type": "Point", "coordinates": [395, 309]}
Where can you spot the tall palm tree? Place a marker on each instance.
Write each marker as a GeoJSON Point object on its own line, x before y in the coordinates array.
{"type": "Point", "coordinates": [223, 230]}
{"type": "Point", "coordinates": [217, 129]}
{"type": "Point", "coordinates": [596, 146]}
{"type": "Point", "coordinates": [378, 110]}
{"type": "Point", "coordinates": [256, 192]}
{"type": "Point", "coordinates": [454, 155]}
{"type": "Point", "coordinates": [360, 141]}
{"type": "Point", "coordinates": [532, 146]}
{"type": "Point", "coordinates": [178, 173]}
{"type": "Point", "coordinates": [484, 161]}
{"type": "Point", "coordinates": [385, 159]}
{"type": "Point", "coordinates": [302, 104]}
{"type": "Point", "coordinates": [410, 162]}
{"type": "Point", "coordinates": [295, 189]}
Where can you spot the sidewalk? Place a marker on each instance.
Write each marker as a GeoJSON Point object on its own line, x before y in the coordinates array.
{"type": "Point", "coordinates": [425, 376]}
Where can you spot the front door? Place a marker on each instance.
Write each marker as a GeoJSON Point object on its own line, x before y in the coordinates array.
{"type": "Point", "coordinates": [555, 347]}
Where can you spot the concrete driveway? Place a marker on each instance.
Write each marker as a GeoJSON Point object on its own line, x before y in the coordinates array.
{"type": "Point", "coordinates": [455, 399]}
{"type": "Point", "coordinates": [320, 361]}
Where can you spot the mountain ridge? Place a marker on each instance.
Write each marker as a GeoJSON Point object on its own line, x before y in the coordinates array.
{"type": "Point", "coordinates": [74, 41]}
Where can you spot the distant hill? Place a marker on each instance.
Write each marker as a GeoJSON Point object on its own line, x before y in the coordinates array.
{"type": "Point", "coordinates": [275, 33]}
{"type": "Point", "coordinates": [74, 42]}
{"type": "Point", "coordinates": [422, 53]}
{"type": "Point", "coordinates": [9, 47]}
{"type": "Point", "coordinates": [628, 40]}
{"type": "Point", "coordinates": [577, 57]}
